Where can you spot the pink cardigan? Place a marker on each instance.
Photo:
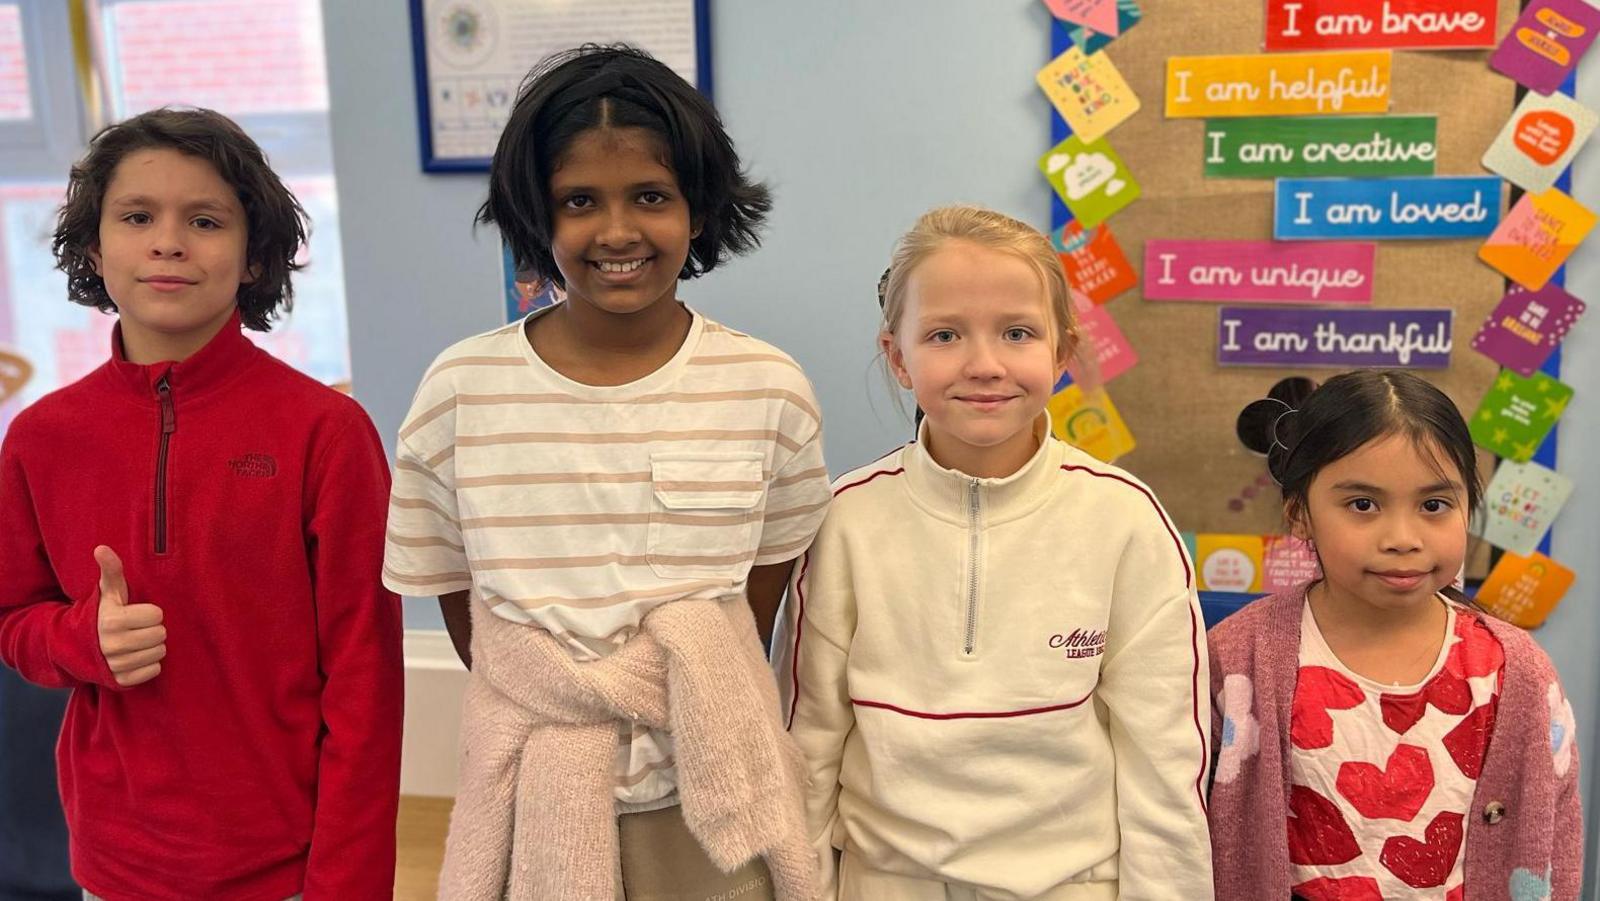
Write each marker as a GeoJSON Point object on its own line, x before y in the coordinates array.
{"type": "Point", "coordinates": [1525, 841]}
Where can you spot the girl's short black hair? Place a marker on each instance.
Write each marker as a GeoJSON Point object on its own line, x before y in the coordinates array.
{"type": "Point", "coordinates": [1301, 434]}
{"type": "Point", "coordinates": [619, 87]}
{"type": "Point", "coordinates": [276, 223]}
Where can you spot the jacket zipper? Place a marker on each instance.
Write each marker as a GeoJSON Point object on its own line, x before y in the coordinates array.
{"type": "Point", "coordinates": [972, 568]}
{"type": "Point", "coordinates": [169, 424]}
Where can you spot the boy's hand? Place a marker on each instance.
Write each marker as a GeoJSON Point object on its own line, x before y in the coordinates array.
{"type": "Point", "coordinates": [132, 638]}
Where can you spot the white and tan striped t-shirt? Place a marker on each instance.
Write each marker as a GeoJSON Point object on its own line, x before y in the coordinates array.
{"type": "Point", "coordinates": [577, 509]}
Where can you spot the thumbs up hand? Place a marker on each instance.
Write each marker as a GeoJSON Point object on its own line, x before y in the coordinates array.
{"type": "Point", "coordinates": [132, 638]}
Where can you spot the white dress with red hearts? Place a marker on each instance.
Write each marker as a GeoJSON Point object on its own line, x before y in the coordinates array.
{"type": "Point", "coordinates": [1383, 776]}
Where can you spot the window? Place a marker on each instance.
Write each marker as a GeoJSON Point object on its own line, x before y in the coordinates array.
{"type": "Point", "coordinates": [260, 62]}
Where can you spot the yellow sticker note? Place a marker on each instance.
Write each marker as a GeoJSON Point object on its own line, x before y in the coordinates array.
{"type": "Point", "coordinates": [1538, 235]}
{"type": "Point", "coordinates": [1090, 423]}
{"type": "Point", "coordinates": [1278, 84]}
{"type": "Point", "coordinates": [1088, 92]}
{"type": "Point", "coordinates": [1523, 590]}
{"type": "Point", "coordinates": [1229, 562]}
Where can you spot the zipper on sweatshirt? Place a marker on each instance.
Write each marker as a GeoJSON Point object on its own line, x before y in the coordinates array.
{"type": "Point", "coordinates": [169, 424]}
{"type": "Point", "coordinates": [971, 639]}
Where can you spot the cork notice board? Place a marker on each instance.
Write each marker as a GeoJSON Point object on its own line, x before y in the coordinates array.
{"type": "Point", "coordinates": [1180, 405]}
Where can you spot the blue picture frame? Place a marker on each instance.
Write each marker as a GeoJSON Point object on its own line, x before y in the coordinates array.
{"type": "Point", "coordinates": [435, 163]}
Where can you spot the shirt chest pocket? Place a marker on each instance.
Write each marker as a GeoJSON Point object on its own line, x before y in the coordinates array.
{"type": "Point", "coordinates": [705, 514]}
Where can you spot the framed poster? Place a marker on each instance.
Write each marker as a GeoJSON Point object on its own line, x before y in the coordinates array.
{"type": "Point", "coordinates": [470, 56]}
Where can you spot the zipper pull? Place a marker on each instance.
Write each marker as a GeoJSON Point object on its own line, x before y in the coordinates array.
{"type": "Point", "coordinates": [169, 416]}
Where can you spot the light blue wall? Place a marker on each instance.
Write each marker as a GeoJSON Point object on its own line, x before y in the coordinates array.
{"type": "Point", "coordinates": [860, 115]}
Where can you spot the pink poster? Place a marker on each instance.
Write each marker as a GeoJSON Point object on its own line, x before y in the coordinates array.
{"type": "Point", "coordinates": [1259, 271]}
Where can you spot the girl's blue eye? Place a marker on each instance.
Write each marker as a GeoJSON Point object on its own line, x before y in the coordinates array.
{"type": "Point", "coordinates": [942, 336]}
{"type": "Point", "coordinates": [1018, 334]}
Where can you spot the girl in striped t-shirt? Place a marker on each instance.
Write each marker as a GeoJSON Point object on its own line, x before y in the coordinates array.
{"type": "Point", "coordinates": [595, 493]}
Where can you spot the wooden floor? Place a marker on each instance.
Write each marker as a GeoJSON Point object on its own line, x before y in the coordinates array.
{"type": "Point", "coordinates": [421, 829]}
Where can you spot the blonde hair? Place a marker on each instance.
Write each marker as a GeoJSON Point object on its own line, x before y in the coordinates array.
{"type": "Point", "coordinates": [995, 231]}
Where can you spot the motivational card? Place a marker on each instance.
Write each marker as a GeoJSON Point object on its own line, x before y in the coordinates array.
{"type": "Point", "coordinates": [1094, 261]}
{"type": "Point", "coordinates": [1521, 502]}
{"type": "Point", "coordinates": [1526, 326]}
{"type": "Point", "coordinates": [1340, 339]}
{"type": "Point", "coordinates": [1395, 24]}
{"type": "Point", "coordinates": [1298, 84]}
{"type": "Point", "coordinates": [1100, 15]}
{"type": "Point", "coordinates": [1289, 563]}
{"type": "Point", "coordinates": [1321, 146]}
{"type": "Point", "coordinates": [1229, 562]}
{"type": "Point", "coordinates": [1517, 414]}
{"type": "Point", "coordinates": [15, 371]}
{"type": "Point", "coordinates": [1546, 43]}
{"type": "Point", "coordinates": [1089, 422]}
{"type": "Point", "coordinates": [1088, 92]}
{"type": "Point", "coordinates": [1091, 41]}
{"type": "Point", "coordinates": [1386, 208]}
{"type": "Point", "coordinates": [1538, 235]}
{"type": "Point", "coordinates": [1541, 139]}
{"type": "Point", "coordinates": [1102, 342]}
{"type": "Point", "coordinates": [1523, 590]}
{"type": "Point", "coordinates": [1259, 271]}
{"type": "Point", "coordinates": [1092, 180]}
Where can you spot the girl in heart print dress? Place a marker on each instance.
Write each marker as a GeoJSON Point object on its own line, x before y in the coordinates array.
{"type": "Point", "coordinates": [1377, 735]}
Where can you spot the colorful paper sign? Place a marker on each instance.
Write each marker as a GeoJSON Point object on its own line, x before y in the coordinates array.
{"type": "Point", "coordinates": [1523, 590]}
{"type": "Point", "coordinates": [1091, 41]}
{"type": "Point", "coordinates": [1517, 414]}
{"type": "Point", "coordinates": [1258, 271]}
{"type": "Point", "coordinates": [1100, 15]}
{"type": "Point", "coordinates": [1321, 146]}
{"type": "Point", "coordinates": [1541, 139]}
{"type": "Point", "coordinates": [1386, 208]}
{"type": "Point", "coordinates": [1538, 235]}
{"type": "Point", "coordinates": [1088, 92]}
{"type": "Point", "coordinates": [1289, 563]}
{"type": "Point", "coordinates": [1089, 422]}
{"type": "Point", "coordinates": [1341, 339]}
{"type": "Point", "coordinates": [1090, 178]}
{"type": "Point", "coordinates": [1100, 341]}
{"type": "Point", "coordinates": [1521, 502]}
{"type": "Point", "coordinates": [1300, 84]}
{"type": "Point", "coordinates": [1229, 562]}
{"type": "Point", "coordinates": [1526, 326]}
{"type": "Point", "coordinates": [1094, 261]}
{"type": "Point", "coordinates": [1392, 24]}
{"type": "Point", "coordinates": [15, 371]}
{"type": "Point", "coordinates": [1546, 43]}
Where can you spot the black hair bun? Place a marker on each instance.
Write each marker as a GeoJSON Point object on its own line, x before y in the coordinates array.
{"type": "Point", "coordinates": [1258, 423]}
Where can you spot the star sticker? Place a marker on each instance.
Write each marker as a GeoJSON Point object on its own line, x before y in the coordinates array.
{"type": "Point", "coordinates": [1505, 382]}
{"type": "Point", "coordinates": [1486, 414]}
{"type": "Point", "coordinates": [1500, 436]}
{"type": "Point", "coordinates": [1544, 386]}
{"type": "Point", "coordinates": [1524, 451]}
{"type": "Point", "coordinates": [1554, 407]}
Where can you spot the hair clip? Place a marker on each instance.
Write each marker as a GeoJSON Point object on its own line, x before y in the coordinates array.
{"type": "Point", "coordinates": [883, 287]}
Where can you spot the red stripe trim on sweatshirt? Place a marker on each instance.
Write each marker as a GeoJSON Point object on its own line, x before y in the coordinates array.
{"type": "Point", "coordinates": [1194, 702]}
{"type": "Point", "coordinates": [1177, 543]}
{"type": "Point", "coordinates": [970, 715]}
{"type": "Point", "coordinates": [800, 593]}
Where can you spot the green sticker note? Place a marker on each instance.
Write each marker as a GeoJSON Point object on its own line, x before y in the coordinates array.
{"type": "Point", "coordinates": [1301, 147]}
{"type": "Point", "coordinates": [1518, 413]}
{"type": "Point", "coordinates": [1092, 180]}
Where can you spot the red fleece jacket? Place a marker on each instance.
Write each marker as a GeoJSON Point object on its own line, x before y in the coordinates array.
{"type": "Point", "coordinates": [248, 502]}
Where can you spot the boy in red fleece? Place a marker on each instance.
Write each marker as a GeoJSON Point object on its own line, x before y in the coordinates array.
{"type": "Point", "coordinates": [191, 539]}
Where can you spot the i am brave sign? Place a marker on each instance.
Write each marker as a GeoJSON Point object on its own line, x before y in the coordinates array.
{"type": "Point", "coordinates": [1339, 339]}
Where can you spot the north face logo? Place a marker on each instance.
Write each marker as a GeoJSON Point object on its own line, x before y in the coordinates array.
{"type": "Point", "coordinates": [254, 466]}
{"type": "Point", "coordinates": [1080, 643]}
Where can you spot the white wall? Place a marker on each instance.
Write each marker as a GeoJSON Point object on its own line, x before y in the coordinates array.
{"type": "Point", "coordinates": [860, 115]}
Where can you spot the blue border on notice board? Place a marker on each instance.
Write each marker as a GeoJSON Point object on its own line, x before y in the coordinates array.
{"type": "Point", "coordinates": [1215, 605]}
{"type": "Point", "coordinates": [419, 68]}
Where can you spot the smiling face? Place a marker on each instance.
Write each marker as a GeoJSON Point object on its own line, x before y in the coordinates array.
{"type": "Point", "coordinates": [1389, 522]}
{"type": "Point", "coordinates": [975, 345]}
{"type": "Point", "coordinates": [620, 232]}
{"type": "Point", "coordinates": [171, 251]}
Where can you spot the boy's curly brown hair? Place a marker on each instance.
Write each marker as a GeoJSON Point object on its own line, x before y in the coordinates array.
{"type": "Point", "coordinates": [277, 224]}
